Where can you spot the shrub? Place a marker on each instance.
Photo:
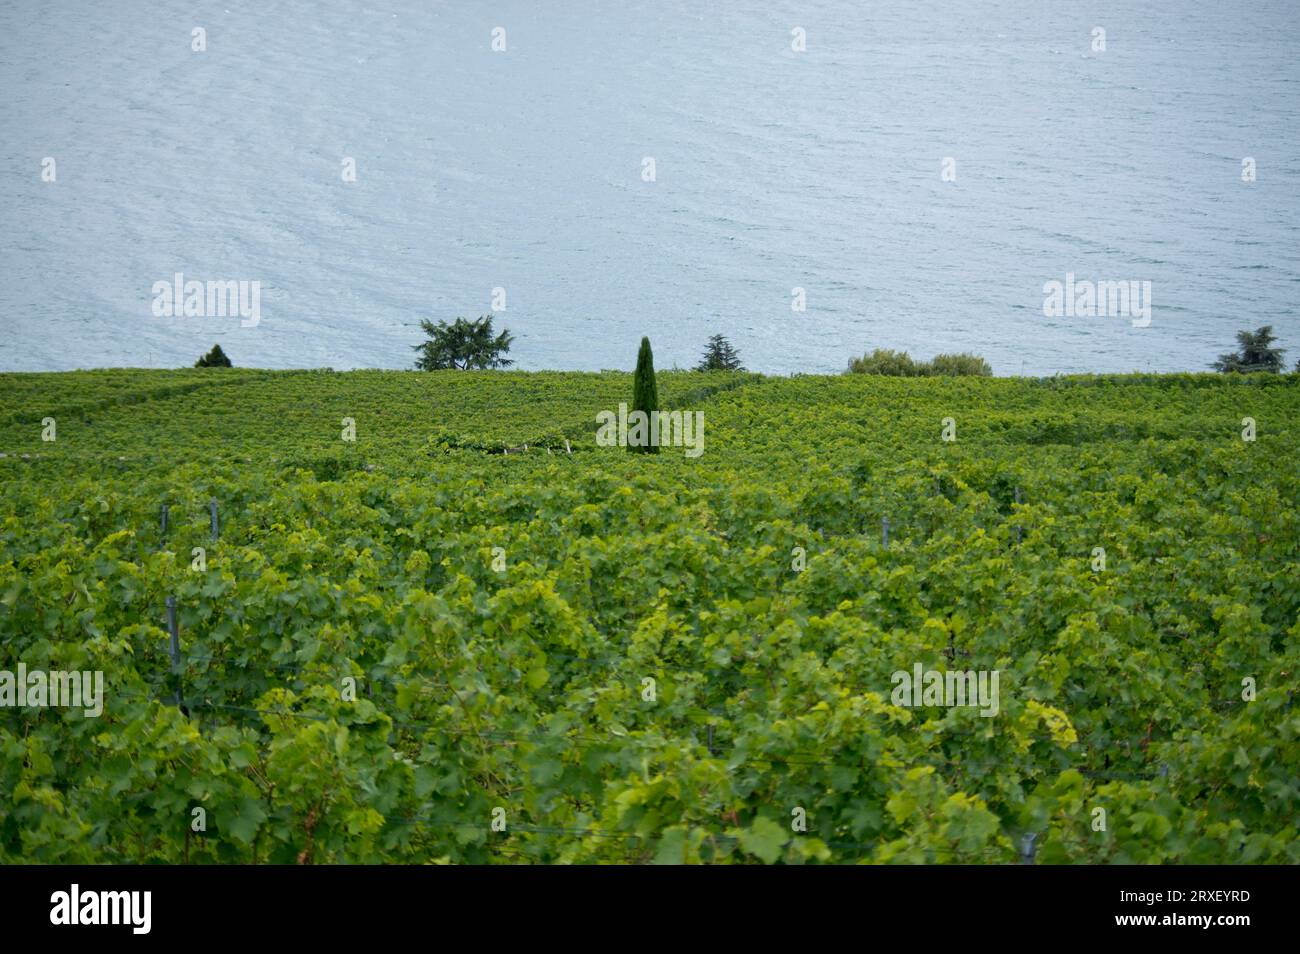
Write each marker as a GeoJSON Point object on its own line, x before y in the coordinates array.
{"type": "Point", "coordinates": [958, 365]}
{"type": "Point", "coordinates": [884, 361]}
{"type": "Point", "coordinates": [900, 364]}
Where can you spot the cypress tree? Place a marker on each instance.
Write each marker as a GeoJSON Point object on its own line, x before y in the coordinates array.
{"type": "Point", "coordinates": [645, 394]}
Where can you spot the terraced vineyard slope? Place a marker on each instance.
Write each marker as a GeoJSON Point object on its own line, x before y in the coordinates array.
{"type": "Point", "coordinates": [438, 622]}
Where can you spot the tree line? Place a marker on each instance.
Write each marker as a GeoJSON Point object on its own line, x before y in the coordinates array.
{"type": "Point", "coordinates": [465, 345]}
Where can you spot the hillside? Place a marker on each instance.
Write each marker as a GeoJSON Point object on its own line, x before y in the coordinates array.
{"type": "Point", "coordinates": [651, 658]}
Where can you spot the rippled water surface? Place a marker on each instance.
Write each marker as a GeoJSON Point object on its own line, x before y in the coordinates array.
{"type": "Point", "coordinates": [774, 169]}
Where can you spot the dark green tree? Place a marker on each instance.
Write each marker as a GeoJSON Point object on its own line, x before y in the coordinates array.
{"type": "Point", "coordinates": [216, 358]}
{"type": "Point", "coordinates": [645, 393]}
{"type": "Point", "coordinates": [1255, 353]}
{"type": "Point", "coordinates": [462, 345]}
{"type": "Point", "coordinates": [719, 355]}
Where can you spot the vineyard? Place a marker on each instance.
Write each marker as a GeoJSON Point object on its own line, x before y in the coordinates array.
{"type": "Point", "coordinates": [425, 618]}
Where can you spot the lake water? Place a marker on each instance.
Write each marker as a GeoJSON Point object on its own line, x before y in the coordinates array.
{"type": "Point", "coordinates": [524, 170]}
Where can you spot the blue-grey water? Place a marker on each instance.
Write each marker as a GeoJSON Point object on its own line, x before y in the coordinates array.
{"type": "Point", "coordinates": [774, 169]}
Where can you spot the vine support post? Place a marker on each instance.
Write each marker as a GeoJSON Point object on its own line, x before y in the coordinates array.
{"type": "Point", "coordinates": [1027, 848]}
{"type": "Point", "coordinates": [884, 531]}
{"type": "Point", "coordinates": [212, 509]}
{"type": "Point", "coordinates": [175, 648]}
